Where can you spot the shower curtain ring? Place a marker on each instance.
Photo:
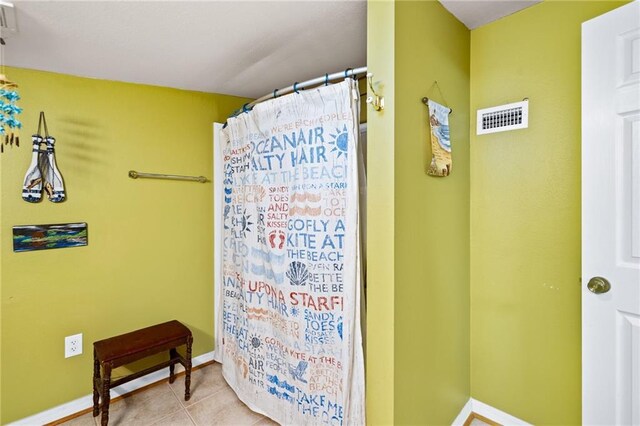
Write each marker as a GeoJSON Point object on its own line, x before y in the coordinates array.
{"type": "Point", "coordinates": [275, 93]}
{"type": "Point", "coordinates": [295, 87]}
{"type": "Point", "coordinates": [346, 72]}
{"type": "Point", "coordinates": [244, 108]}
{"type": "Point", "coordinates": [326, 79]}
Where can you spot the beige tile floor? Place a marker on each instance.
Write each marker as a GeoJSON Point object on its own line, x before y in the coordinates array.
{"type": "Point", "coordinates": [212, 403]}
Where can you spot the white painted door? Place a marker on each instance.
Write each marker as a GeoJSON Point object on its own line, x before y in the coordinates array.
{"type": "Point", "coordinates": [611, 217]}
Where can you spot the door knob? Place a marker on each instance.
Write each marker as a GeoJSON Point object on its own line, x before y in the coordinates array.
{"type": "Point", "coordinates": [598, 285]}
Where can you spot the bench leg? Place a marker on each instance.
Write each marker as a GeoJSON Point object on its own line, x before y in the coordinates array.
{"type": "Point", "coordinates": [172, 354]}
{"type": "Point", "coordinates": [106, 397]}
{"type": "Point", "coordinates": [96, 381]}
{"type": "Point", "coordinates": [187, 379]}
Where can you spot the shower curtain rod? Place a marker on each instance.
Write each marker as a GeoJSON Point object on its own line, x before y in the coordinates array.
{"type": "Point", "coordinates": [350, 72]}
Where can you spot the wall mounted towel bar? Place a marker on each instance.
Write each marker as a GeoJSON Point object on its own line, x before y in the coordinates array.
{"type": "Point", "coordinates": [135, 175]}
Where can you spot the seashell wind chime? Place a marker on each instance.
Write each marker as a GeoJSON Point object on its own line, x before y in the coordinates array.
{"type": "Point", "coordinates": [9, 124]}
{"type": "Point", "coordinates": [43, 171]}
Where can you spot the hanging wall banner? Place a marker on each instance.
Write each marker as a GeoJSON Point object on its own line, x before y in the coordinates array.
{"type": "Point", "coordinates": [440, 140]}
{"type": "Point", "coordinates": [289, 330]}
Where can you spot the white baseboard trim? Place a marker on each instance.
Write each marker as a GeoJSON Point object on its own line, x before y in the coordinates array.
{"type": "Point", "coordinates": [491, 413]}
{"type": "Point", "coordinates": [496, 415]}
{"type": "Point", "coordinates": [77, 405]}
{"type": "Point", "coordinates": [464, 414]}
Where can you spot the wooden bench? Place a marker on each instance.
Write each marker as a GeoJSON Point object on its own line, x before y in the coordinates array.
{"type": "Point", "coordinates": [126, 348]}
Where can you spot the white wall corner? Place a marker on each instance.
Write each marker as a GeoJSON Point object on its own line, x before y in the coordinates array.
{"type": "Point", "coordinates": [485, 410]}
{"type": "Point", "coordinates": [77, 405]}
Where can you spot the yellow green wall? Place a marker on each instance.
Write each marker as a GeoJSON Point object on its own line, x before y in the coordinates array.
{"type": "Point", "coordinates": [380, 218]}
{"type": "Point", "coordinates": [418, 237]}
{"type": "Point", "coordinates": [525, 215]}
{"type": "Point", "coordinates": [431, 219]}
{"type": "Point", "coordinates": [150, 251]}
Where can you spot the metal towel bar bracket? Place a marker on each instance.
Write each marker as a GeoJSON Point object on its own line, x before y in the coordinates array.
{"type": "Point", "coordinates": [135, 175]}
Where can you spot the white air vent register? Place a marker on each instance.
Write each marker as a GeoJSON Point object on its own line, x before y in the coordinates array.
{"type": "Point", "coordinates": [502, 118]}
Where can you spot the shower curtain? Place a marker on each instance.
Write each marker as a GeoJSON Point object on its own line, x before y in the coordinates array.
{"type": "Point", "coordinates": [289, 325]}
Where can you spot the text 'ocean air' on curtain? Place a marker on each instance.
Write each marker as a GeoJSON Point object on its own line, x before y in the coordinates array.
{"type": "Point", "coordinates": [289, 334]}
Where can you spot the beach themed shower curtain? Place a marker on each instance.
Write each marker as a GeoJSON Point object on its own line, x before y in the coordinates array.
{"type": "Point", "coordinates": [288, 323]}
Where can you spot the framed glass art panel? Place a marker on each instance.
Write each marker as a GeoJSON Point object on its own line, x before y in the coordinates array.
{"type": "Point", "coordinates": [42, 237]}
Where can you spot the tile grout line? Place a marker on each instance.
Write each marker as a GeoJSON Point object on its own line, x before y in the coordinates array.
{"type": "Point", "coordinates": [124, 420]}
{"type": "Point", "coordinates": [174, 394]}
{"type": "Point", "coordinates": [196, 403]}
{"type": "Point", "coordinates": [193, 404]}
{"type": "Point", "coordinates": [181, 396]}
{"type": "Point", "coordinates": [193, 421]}
{"type": "Point", "coordinates": [199, 402]}
{"type": "Point", "coordinates": [262, 417]}
{"type": "Point", "coordinates": [176, 397]}
{"type": "Point", "coordinates": [183, 402]}
{"type": "Point", "coordinates": [169, 415]}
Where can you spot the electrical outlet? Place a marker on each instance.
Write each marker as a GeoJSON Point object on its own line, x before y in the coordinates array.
{"type": "Point", "coordinates": [73, 345]}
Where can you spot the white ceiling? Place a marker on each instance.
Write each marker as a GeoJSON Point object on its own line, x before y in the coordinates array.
{"type": "Point", "coordinates": [240, 48]}
{"type": "Point", "coordinates": [244, 48]}
{"type": "Point", "coordinates": [475, 13]}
